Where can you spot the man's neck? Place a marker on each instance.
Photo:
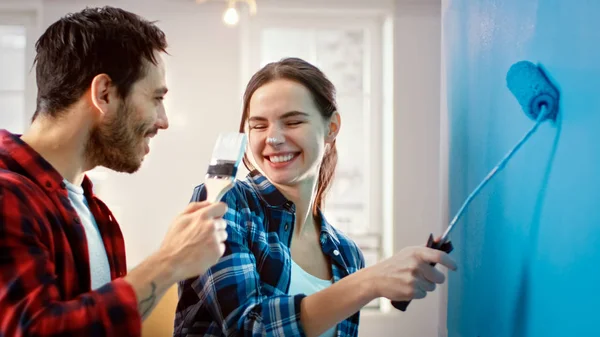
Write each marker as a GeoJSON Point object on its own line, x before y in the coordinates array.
{"type": "Point", "coordinates": [62, 144]}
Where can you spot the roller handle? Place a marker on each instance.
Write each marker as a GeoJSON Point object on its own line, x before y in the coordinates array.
{"type": "Point", "coordinates": [431, 243]}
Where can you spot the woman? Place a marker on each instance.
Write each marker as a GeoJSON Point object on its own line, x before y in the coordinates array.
{"type": "Point", "coordinates": [286, 271]}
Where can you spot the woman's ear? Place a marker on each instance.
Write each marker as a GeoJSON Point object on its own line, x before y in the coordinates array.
{"type": "Point", "coordinates": [103, 93]}
{"type": "Point", "coordinates": [333, 128]}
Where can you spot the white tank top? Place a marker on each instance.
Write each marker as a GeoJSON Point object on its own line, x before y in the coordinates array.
{"type": "Point", "coordinates": [305, 283]}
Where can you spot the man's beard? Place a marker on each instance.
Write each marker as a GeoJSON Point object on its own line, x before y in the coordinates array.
{"type": "Point", "coordinates": [116, 143]}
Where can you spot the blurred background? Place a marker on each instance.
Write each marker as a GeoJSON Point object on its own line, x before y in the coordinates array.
{"type": "Point", "coordinates": [383, 57]}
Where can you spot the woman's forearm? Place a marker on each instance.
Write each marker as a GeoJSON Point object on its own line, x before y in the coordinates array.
{"type": "Point", "coordinates": [326, 308]}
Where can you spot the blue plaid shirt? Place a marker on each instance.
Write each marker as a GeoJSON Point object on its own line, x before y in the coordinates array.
{"type": "Point", "coordinates": [245, 293]}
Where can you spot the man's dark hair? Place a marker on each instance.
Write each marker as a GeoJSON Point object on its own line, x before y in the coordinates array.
{"type": "Point", "coordinates": [82, 45]}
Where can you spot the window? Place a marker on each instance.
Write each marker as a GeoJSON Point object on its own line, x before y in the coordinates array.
{"type": "Point", "coordinates": [12, 81]}
{"type": "Point", "coordinates": [348, 51]}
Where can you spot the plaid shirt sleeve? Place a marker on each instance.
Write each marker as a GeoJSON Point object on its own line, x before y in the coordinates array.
{"type": "Point", "coordinates": [30, 301]}
{"type": "Point", "coordinates": [231, 289]}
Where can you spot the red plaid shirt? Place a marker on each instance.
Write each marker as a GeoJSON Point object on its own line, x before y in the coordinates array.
{"type": "Point", "coordinates": [45, 286]}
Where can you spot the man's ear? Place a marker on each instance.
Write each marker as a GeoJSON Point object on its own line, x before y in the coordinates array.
{"type": "Point", "coordinates": [103, 93]}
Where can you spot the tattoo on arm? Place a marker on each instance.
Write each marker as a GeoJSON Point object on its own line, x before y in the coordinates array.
{"type": "Point", "coordinates": [146, 305]}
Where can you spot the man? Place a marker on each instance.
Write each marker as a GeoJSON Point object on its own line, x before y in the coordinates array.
{"type": "Point", "coordinates": [101, 81]}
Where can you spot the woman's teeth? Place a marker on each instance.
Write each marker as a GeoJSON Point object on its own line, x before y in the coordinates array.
{"type": "Point", "coordinates": [281, 159]}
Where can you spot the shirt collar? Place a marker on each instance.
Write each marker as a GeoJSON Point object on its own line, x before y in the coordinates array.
{"type": "Point", "coordinates": [330, 243]}
{"type": "Point", "coordinates": [267, 191]}
{"type": "Point", "coordinates": [26, 161]}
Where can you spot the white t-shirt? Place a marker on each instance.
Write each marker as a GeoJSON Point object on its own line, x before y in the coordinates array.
{"type": "Point", "coordinates": [99, 266]}
{"type": "Point", "coordinates": [305, 283]}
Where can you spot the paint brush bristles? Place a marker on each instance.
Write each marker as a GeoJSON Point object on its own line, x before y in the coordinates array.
{"type": "Point", "coordinates": [227, 155]}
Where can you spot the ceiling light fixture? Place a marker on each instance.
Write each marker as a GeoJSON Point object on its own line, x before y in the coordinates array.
{"type": "Point", "coordinates": [231, 16]}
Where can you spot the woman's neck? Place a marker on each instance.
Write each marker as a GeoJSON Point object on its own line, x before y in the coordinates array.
{"type": "Point", "coordinates": [303, 197]}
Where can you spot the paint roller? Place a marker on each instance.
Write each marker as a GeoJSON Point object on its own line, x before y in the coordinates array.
{"type": "Point", "coordinates": [539, 100]}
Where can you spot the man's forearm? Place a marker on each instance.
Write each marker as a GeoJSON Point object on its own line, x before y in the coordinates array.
{"type": "Point", "coordinates": [150, 280]}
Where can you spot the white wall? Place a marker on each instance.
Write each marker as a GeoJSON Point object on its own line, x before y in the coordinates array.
{"type": "Point", "coordinates": [205, 98]}
{"type": "Point", "coordinates": [444, 164]}
{"type": "Point", "coordinates": [417, 190]}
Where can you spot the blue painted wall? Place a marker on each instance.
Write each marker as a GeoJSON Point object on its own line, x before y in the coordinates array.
{"type": "Point", "coordinates": [529, 246]}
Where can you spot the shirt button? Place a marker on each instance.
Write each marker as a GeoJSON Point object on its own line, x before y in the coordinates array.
{"type": "Point", "coordinates": [336, 252]}
{"type": "Point", "coordinates": [286, 227]}
{"type": "Point", "coordinates": [48, 184]}
{"type": "Point", "coordinates": [76, 220]}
